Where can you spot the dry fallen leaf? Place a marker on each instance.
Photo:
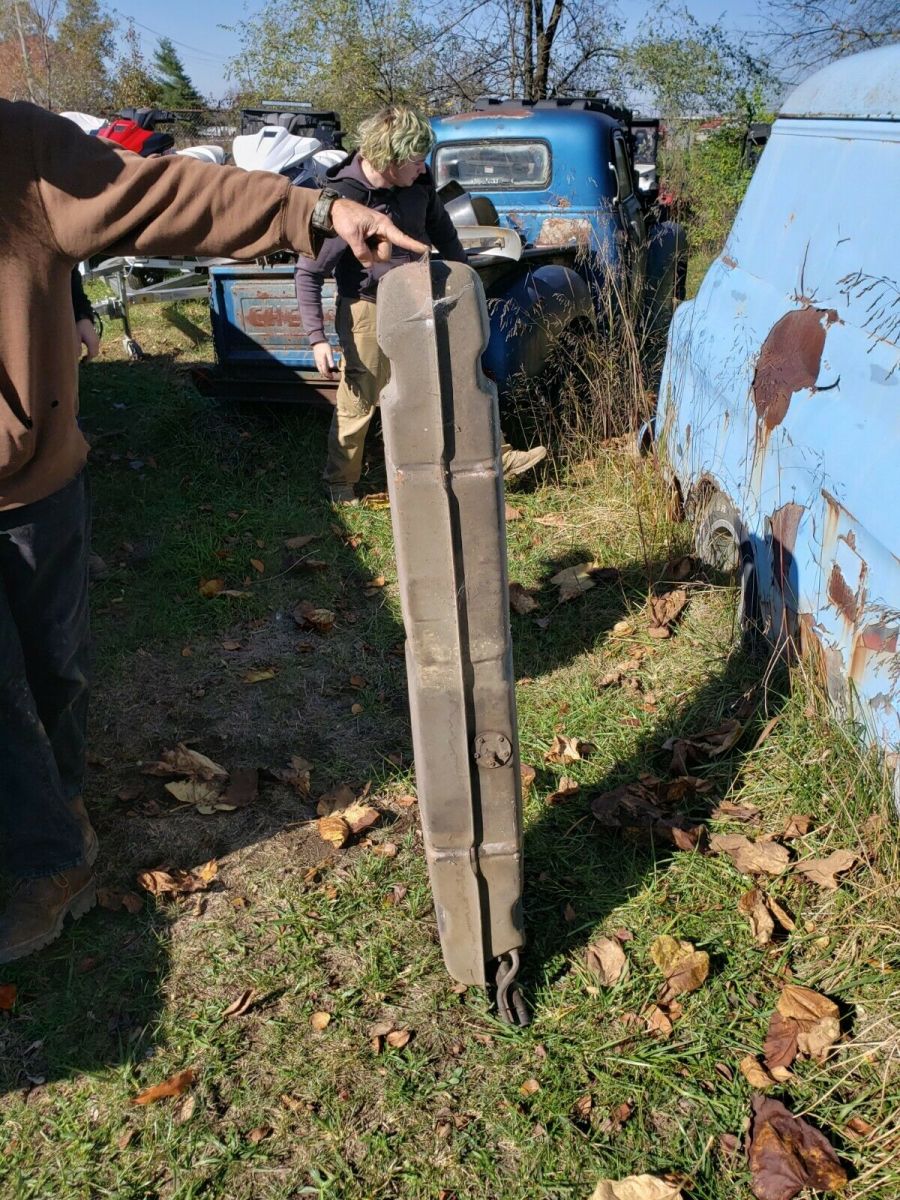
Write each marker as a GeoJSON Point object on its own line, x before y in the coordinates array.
{"type": "Point", "coordinates": [307, 616]}
{"type": "Point", "coordinates": [297, 543]}
{"type": "Point", "coordinates": [824, 871]}
{"type": "Point", "coordinates": [259, 675]}
{"type": "Point", "coordinates": [320, 1021]}
{"type": "Point", "coordinates": [568, 750]}
{"type": "Point", "coordinates": [259, 1134]}
{"type": "Point", "coordinates": [297, 775]}
{"type": "Point", "coordinates": [185, 1109]}
{"type": "Point", "coordinates": [335, 801]}
{"type": "Point", "coordinates": [726, 811]}
{"type": "Point", "coordinates": [529, 1087]}
{"type": "Point", "coordinates": [360, 817]}
{"type": "Point", "coordinates": [512, 513]}
{"type": "Point", "coordinates": [528, 774]}
{"type": "Point", "coordinates": [258, 565]}
{"type": "Point", "coordinates": [174, 1086]}
{"type": "Point", "coordinates": [211, 587]}
{"type": "Point", "coordinates": [185, 761]}
{"type": "Point", "coordinates": [334, 830]}
{"type": "Point", "coordinates": [753, 906]}
{"type": "Point", "coordinates": [198, 792]}
{"type": "Point", "coordinates": [114, 900]}
{"type": "Point", "coordinates": [573, 581]}
{"type": "Point", "coordinates": [606, 959]}
{"type": "Point", "coordinates": [238, 1007]}
{"type": "Point", "coordinates": [125, 1139]}
{"type": "Point", "coordinates": [242, 789]}
{"type": "Point", "coordinates": [755, 1073]}
{"type": "Point", "coordinates": [797, 825]}
{"type": "Point", "coordinates": [8, 993]}
{"type": "Point", "coordinates": [398, 1038]}
{"type": "Point", "coordinates": [665, 611]}
{"type": "Point", "coordinates": [565, 788]}
{"type": "Point", "coordinates": [751, 858]}
{"type": "Point", "coordinates": [685, 968]}
{"type": "Point", "coordinates": [658, 1021]}
{"type": "Point", "coordinates": [173, 881]}
{"type": "Point", "coordinates": [637, 1187]}
{"type": "Point", "coordinates": [804, 1022]}
{"type": "Point", "coordinates": [787, 1154]}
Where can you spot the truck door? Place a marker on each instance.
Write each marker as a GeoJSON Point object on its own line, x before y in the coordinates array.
{"type": "Point", "coordinates": [631, 213]}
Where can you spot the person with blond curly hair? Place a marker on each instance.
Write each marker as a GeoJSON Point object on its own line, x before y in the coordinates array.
{"type": "Point", "coordinates": [388, 173]}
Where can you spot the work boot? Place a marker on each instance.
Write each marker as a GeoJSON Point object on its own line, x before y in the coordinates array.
{"type": "Point", "coordinates": [88, 837]}
{"type": "Point", "coordinates": [517, 462]}
{"type": "Point", "coordinates": [38, 907]}
{"type": "Point", "coordinates": [341, 493]}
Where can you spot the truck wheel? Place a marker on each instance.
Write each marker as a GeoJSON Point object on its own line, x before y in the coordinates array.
{"type": "Point", "coordinates": [722, 544]}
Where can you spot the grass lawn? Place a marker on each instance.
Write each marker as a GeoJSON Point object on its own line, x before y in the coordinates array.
{"type": "Point", "coordinates": [284, 1104]}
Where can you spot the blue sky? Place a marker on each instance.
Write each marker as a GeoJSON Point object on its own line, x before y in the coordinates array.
{"type": "Point", "coordinates": [205, 47]}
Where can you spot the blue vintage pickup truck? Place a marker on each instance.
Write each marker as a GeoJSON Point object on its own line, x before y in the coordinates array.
{"type": "Point", "coordinates": [546, 197]}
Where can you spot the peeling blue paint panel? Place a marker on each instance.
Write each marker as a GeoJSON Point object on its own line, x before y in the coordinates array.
{"type": "Point", "coordinates": [780, 395]}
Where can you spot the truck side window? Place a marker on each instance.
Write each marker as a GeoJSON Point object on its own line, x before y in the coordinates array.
{"type": "Point", "coordinates": [624, 178]}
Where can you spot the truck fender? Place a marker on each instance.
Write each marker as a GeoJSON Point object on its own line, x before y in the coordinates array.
{"type": "Point", "coordinates": [529, 317]}
{"type": "Point", "coordinates": [666, 276]}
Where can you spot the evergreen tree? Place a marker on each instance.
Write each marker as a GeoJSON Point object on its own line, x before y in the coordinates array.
{"type": "Point", "coordinates": [175, 86]}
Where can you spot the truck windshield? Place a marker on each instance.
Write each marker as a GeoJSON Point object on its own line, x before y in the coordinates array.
{"type": "Point", "coordinates": [493, 165]}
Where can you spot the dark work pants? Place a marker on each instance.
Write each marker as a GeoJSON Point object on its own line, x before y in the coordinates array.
{"type": "Point", "coordinates": [44, 647]}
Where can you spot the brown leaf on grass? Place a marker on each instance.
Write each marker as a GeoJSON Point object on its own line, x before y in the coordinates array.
{"type": "Point", "coordinates": [555, 520]}
{"type": "Point", "coordinates": [230, 644]}
{"type": "Point", "coordinates": [208, 588]}
{"type": "Point", "coordinates": [334, 830]}
{"type": "Point", "coordinates": [529, 1087]}
{"type": "Point", "coordinates": [681, 833]}
{"type": "Point", "coordinates": [684, 968]}
{"type": "Point", "coordinates": [754, 907]}
{"type": "Point", "coordinates": [824, 871]}
{"type": "Point", "coordinates": [320, 1021]}
{"type": "Point", "coordinates": [658, 1021]}
{"type": "Point", "coordinates": [613, 1123]}
{"type": "Point", "coordinates": [296, 775]}
{"type": "Point", "coordinates": [574, 581]}
{"type": "Point", "coordinates": [726, 811]}
{"type": "Point", "coordinates": [360, 817]}
{"type": "Point", "coordinates": [198, 792]}
{"type": "Point", "coordinates": [522, 599]}
{"type": "Point", "coordinates": [398, 1038]}
{"type": "Point", "coordinates": [301, 540]}
{"type": "Point", "coordinates": [307, 616]}
{"type": "Point", "coordinates": [665, 610]}
{"type": "Point", "coordinates": [335, 801]}
{"type": "Point", "coordinates": [859, 1129]}
{"type": "Point", "coordinates": [124, 1140]}
{"type": "Point", "coordinates": [606, 959]}
{"type": "Point", "coordinates": [787, 1154]}
{"type": "Point", "coordinates": [172, 881]}
{"type": "Point", "coordinates": [259, 674]}
{"type": "Point", "coordinates": [729, 1144]}
{"type": "Point", "coordinates": [258, 565]}
{"type": "Point", "coordinates": [568, 750]}
{"type": "Point", "coordinates": [242, 1005]}
{"type": "Point", "coordinates": [709, 744]}
{"type": "Point", "coordinates": [755, 1073]}
{"type": "Point", "coordinates": [581, 1109]}
{"type": "Point", "coordinates": [385, 849]}
{"type": "Point", "coordinates": [185, 761]}
{"type": "Point", "coordinates": [376, 500]}
{"type": "Point", "coordinates": [569, 914]}
{"type": "Point", "coordinates": [528, 777]}
{"type": "Point", "coordinates": [8, 993]}
{"type": "Point", "coordinates": [185, 1109]}
{"type": "Point", "coordinates": [680, 568]}
{"type": "Point", "coordinates": [629, 804]}
{"type": "Point", "coordinates": [804, 1022]}
{"type": "Point", "coordinates": [397, 894]}
{"type": "Point", "coordinates": [638, 1187]}
{"type": "Point", "coordinates": [751, 858]}
{"type": "Point", "coordinates": [797, 825]}
{"type": "Point", "coordinates": [243, 787]}
{"type": "Point", "coordinates": [114, 900]}
{"type": "Point", "coordinates": [565, 788]}
{"type": "Point", "coordinates": [176, 1085]}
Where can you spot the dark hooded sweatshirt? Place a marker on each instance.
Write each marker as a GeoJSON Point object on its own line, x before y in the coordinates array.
{"type": "Point", "coordinates": [416, 210]}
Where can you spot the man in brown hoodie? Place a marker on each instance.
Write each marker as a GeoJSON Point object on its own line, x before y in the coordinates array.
{"type": "Point", "coordinates": [63, 197]}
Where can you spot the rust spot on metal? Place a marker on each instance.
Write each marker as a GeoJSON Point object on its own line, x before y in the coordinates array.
{"type": "Point", "coordinates": [560, 231]}
{"type": "Point", "coordinates": [789, 360]}
{"type": "Point", "coordinates": [784, 523]}
{"type": "Point", "coordinates": [841, 596]}
{"type": "Point", "coordinates": [729, 262]}
{"type": "Point", "coordinates": [881, 638]}
{"type": "Point", "coordinates": [850, 539]}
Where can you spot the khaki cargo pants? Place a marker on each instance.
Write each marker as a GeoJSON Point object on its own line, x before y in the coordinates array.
{"type": "Point", "coordinates": [364, 373]}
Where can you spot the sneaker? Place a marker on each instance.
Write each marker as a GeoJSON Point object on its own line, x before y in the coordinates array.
{"type": "Point", "coordinates": [341, 493]}
{"type": "Point", "coordinates": [517, 462]}
{"type": "Point", "coordinates": [38, 907]}
{"type": "Point", "coordinates": [88, 836]}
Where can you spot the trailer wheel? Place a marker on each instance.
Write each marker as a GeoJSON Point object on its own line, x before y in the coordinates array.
{"type": "Point", "coordinates": [721, 542]}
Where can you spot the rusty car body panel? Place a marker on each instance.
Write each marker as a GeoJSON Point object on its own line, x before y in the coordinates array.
{"type": "Point", "coordinates": [781, 390]}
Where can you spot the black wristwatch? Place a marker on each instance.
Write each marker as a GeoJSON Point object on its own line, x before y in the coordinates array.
{"type": "Point", "coordinates": [321, 214]}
